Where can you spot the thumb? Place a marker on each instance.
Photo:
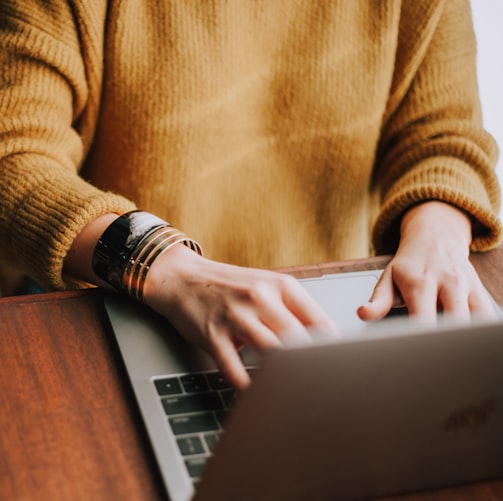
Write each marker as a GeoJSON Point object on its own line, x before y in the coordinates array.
{"type": "Point", "coordinates": [384, 297]}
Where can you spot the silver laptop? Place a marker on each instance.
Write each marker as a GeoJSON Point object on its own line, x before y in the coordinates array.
{"type": "Point", "coordinates": [391, 408]}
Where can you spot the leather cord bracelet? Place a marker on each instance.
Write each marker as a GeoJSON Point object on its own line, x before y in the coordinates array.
{"type": "Point", "coordinates": [128, 247]}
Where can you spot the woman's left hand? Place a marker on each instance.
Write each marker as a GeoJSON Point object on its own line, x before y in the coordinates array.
{"type": "Point", "coordinates": [431, 271]}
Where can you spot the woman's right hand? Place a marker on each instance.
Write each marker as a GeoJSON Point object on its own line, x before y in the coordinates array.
{"type": "Point", "coordinates": [221, 307]}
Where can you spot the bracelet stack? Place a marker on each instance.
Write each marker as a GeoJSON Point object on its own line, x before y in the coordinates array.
{"type": "Point", "coordinates": [128, 247]}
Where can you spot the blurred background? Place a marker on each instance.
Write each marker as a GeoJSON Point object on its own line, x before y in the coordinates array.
{"type": "Point", "coordinates": [488, 22]}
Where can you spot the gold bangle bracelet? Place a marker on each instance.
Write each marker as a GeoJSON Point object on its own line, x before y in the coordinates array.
{"type": "Point", "coordinates": [128, 247]}
{"type": "Point", "coordinates": [146, 252]}
{"type": "Point", "coordinates": [138, 254]}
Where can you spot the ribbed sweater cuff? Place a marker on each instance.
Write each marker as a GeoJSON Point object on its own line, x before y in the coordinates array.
{"type": "Point", "coordinates": [452, 184]}
{"type": "Point", "coordinates": [47, 223]}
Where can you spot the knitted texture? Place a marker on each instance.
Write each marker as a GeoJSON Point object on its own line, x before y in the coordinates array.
{"type": "Point", "coordinates": [273, 132]}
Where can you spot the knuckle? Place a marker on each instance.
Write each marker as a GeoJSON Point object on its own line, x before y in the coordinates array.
{"type": "Point", "coordinates": [286, 279]}
{"type": "Point", "coordinates": [212, 330]}
{"type": "Point", "coordinates": [287, 282]}
{"type": "Point", "coordinates": [258, 292]}
{"type": "Point", "coordinates": [268, 286]}
{"type": "Point", "coordinates": [410, 276]}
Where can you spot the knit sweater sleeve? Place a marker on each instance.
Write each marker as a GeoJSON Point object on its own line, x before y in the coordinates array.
{"type": "Point", "coordinates": [48, 102]}
{"type": "Point", "coordinates": [433, 145]}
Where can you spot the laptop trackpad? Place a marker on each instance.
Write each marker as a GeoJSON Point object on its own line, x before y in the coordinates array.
{"type": "Point", "coordinates": [341, 294]}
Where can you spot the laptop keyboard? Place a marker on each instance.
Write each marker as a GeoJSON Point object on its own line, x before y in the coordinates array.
{"type": "Point", "coordinates": [196, 406]}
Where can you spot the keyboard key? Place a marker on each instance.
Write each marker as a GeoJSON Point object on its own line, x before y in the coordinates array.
{"type": "Point", "coordinates": [190, 445]}
{"type": "Point", "coordinates": [211, 440]}
{"type": "Point", "coordinates": [195, 466]}
{"type": "Point", "coordinates": [168, 386]}
{"type": "Point", "coordinates": [229, 397]}
{"type": "Point", "coordinates": [217, 381]}
{"type": "Point", "coordinates": [196, 402]}
{"type": "Point", "coordinates": [193, 423]}
{"type": "Point", "coordinates": [193, 383]}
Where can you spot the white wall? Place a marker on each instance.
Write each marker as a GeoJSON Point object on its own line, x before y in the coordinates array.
{"type": "Point", "coordinates": [488, 22]}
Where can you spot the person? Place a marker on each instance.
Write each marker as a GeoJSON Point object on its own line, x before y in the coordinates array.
{"type": "Point", "coordinates": [273, 133]}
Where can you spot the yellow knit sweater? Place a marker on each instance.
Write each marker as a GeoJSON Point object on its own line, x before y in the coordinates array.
{"type": "Point", "coordinates": [274, 132]}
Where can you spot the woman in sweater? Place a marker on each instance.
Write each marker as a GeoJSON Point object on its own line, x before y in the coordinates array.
{"type": "Point", "coordinates": [273, 133]}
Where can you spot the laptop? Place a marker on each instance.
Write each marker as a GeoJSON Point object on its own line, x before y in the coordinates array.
{"type": "Point", "coordinates": [391, 408]}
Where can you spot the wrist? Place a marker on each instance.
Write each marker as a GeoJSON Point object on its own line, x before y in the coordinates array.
{"type": "Point", "coordinates": [128, 248]}
{"type": "Point", "coordinates": [78, 261]}
{"type": "Point", "coordinates": [170, 272]}
{"type": "Point", "coordinates": [437, 219]}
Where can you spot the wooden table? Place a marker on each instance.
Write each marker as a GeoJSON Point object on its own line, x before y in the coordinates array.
{"type": "Point", "coordinates": [69, 426]}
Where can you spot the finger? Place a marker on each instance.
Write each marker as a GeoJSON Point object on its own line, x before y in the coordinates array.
{"type": "Point", "coordinates": [421, 298]}
{"type": "Point", "coordinates": [481, 306]}
{"type": "Point", "coordinates": [307, 311]}
{"type": "Point", "coordinates": [252, 332]}
{"type": "Point", "coordinates": [453, 301]}
{"type": "Point", "coordinates": [284, 324]}
{"type": "Point", "coordinates": [230, 364]}
{"type": "Point", "coordinates": [383, 298]}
